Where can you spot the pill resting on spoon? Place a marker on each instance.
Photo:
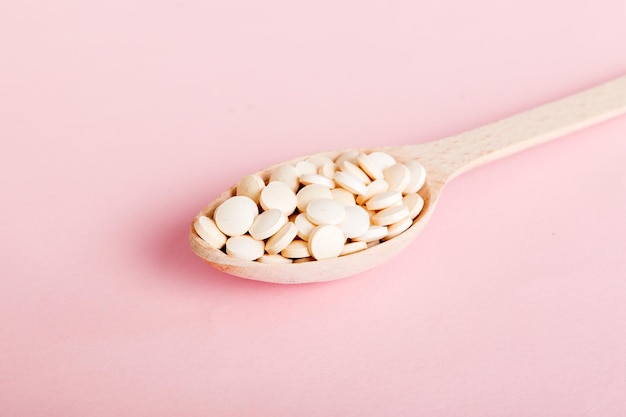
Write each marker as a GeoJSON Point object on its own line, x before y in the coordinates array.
{"type": "Point", "coordinates": [338, 213]}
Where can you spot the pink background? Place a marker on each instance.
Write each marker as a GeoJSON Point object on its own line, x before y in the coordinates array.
{"type": "Point", "coordinates": [121, 119]}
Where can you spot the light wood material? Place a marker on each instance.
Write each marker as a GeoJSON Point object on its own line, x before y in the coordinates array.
{"type": "Point", "coordinates": [443, 159]}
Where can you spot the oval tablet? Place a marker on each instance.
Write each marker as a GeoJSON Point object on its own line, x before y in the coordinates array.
{"type": "Point", "coordinates": [398, 227]}
{"type": "Point", "coordinates": [235, 215]}
{"type": "Point", "coordinates": [281, 239]}
{"type": "Point", "coordinates": [350, 182]}
{"type": "Point", "coordinates": [267, 223]}
{"type": "Point", "coordinates": [245, 247]}
{"type": "Point", "coordinates": [397, 176]}
{"type": "Point", "coordinates": [328, 170]}
{"type": "Point", "coordinates": [390, 215]}
{"type": "Point", "coordinates": [296, 249]}
{"type": "Point", "coordinates": [343, 196]}
{"type": "Point", "coordinates": [311, 192]}
{"type": "Point", "coordinates": [351, 168]}
{"type": "Point", "coordinates": [308, 179]}
{"type": "Point", "coordinates": [209, 232]}
{"type": "Point", "coordinates": [382, 159]}
{"type": "Point", "coordinates": [415, 204]}
{"type": "Point", "coordinates": [384, 200]}
{"type": "Point", "coordinates": [325, 211]}
{"type": "Point", "coordinates": [326, 242]}
{"type": "Point", "coordinates": [251, 186]}
{"type": "Point", "coordinates": [287, 174]}
{"type": "Point", "coordinates": [278, 195]}
{"type": "Point", "coordinates": [370, 167]}
{"type": "Point", "coordinates": [375, 187]}
{"type": "Point", "coordinates": [356, 221]}
{"type": "Point", "coordinates": [418, 176]}
{"type": "Point", "coordinates": [305, 227]}
{"type": "Point", "coordinates": [305, 167]}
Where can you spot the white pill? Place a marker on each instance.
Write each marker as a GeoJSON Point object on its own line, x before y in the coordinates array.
{"type": "Point", "coordinates": [398, 227]}
{"type": "Point", "coordinates": [351, 168]}
{"type": "Point", "coordinates": [390, 215]}
{"type": "Point", "coordinates": [208, 231]}
{"type": "Point", "coordinates": [328, 170]}
{"type": "Point", "coordinates": [356, 221]}
{"type": "Point", "coordinates": [267, 224]}
{"type": "Point", "coordinates": [245, 247]}
{"type": "Point", "coordinates": [274, 259]}
{"type": "Point", "coordinates": [349, 155]}
{"type": "Point", "coordinates": [305, 167]}
{"type": "Point", "coordinates": [281, 239]}
{"type": "Point", "coordinates": [325, 211]}
{"type": "Point", "coordinates": [415, 204]}
{"type": "Point", "coordinates": [312, 192]}
{"type": "Point", "coordinates": [343, 196]}
{"type": "Point", "coordinates": [397, 176]}
{"type": "Point", "coordinates": [326, 242]}
{"type": "Point", "coordinates": [278, 195]}
{"type": "Point", "coordinates": [382, 159]}
{"type": "Point", "coordinates": [370, 167]}
{"type": "Point", "coordinates": [235, 215]}
{"type": "Point", "coordinates": [296, 249]}
{"type": "Point", "coordinates": [308, 179]}
{"type": "Point", "coordinates": [372, 234]}
{"type": "Point", "coordinates": [353, 247]}
{"type": "Point", "coordinates": [384, 200]}
{"type": "Point", "coordinates": [375, 187]}
{"type": "Point", "coordinates": [418, 176]}
{"type": "Point", "coordinates": [319, 160]}
{"type": "Point", "coordinates": [251, 186]}
{"type": "Point", "coordinates": [350, 183]}
{"type": "Point", "coordinates": [287, 174]}
{"type": "Point", "coordinates": [305, 227]}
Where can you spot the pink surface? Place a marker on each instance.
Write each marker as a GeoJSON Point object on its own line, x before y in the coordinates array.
{"type": "Point", "coordinates": [121, 119]}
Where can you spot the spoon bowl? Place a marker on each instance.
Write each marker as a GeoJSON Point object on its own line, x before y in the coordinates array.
{"type": "Point", "coordinates": [443, 159]}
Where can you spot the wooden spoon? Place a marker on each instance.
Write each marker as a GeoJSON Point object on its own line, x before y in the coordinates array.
{"type": "Point", "coordinates": [443, 159]}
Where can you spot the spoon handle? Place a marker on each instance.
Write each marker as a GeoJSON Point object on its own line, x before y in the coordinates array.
{"type": "Point", "coordinates": [457, 154]}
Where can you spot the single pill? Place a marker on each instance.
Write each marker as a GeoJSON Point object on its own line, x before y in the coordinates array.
{"type": "Point", "coordinates": [397, 176]}
{"type": "Point", "coordinates": [349, 155]}
{"type": "Point", "coordinates": [398, 227]}
{"type": "Point", "coordinates": [375, 187]}
{"type": "Point", "coordinates": [356, 221]}
{"type": "Point", "coordinates": [274, 259]}
{"type": "Point", "coordinates": [343, 196]}
{"type": "Point", "coordinates": [372, 234]}
{"type": "Point", "coordinates": [351, 168]}
{"type": "Point", "coordinates": [370, 167]}
{"type": "Point", "coordinates": [303, 260]}
{"type": "Point", "coordinates": [305, 227]}
{"type": "Point", "coordinates": [326, 242]}
{"type": "Point", "coordinates": [267, 223]}
{"type": "Point", "coordinates": [415, 204]}
{"type": "Point", "coordinates": [328, 170]}
{"type": "Point", "coordinates": [308, 179]}
{"type": "Point", "coordinates": [287, 174]}
{"type": "Point", "coordinates": [325, 211]}
{"type": "Point", "coordinates": [418, 176]}
{"type": "Point", "coordinates": [235, 215]}
{"type": "Point", "coordinates": [384, 200]}
{"type": "Point", "coordinates": [245, 247]}
{"type": "Point", "coordinates": [305, 167]}
{"type": "Point", "coordinates": [390, 215]}
{"type": "Point", "coordinates": [319, 160]}
{"type": "Point", "coordinates": [209, 232]}
{"type": "Point", "coordinates": [278, 195]}
{"type": "Point", "coordinates": [281, 239]}
{"type": "Point", "coordinates": [350, 182]}
{"type": "Point", "coordinates": [311, 192]}
{"type": "Point", "coordinates": [251, 186]}
{"type": "Point", "coordinates": [353, 247]}
{"type": "Point", "coordinates": [296, 249]}
{"type": "Point", "coordinates": [382, 159]}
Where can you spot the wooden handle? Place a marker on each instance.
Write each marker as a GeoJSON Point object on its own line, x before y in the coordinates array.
{"type": "Point", "coordinates": [460, 153]}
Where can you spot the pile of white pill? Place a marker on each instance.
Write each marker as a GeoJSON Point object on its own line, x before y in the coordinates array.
{"type": "Point", "coordinates": [317, 209]}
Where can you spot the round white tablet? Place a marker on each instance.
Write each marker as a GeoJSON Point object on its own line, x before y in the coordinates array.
{"type": "Point", "coordinates": [370, 167]}
{"type": "Point", "coordinates": [287, 174]}
{"type": "Point", "coordinates": [325, 211]}
{"type": "Point", "coordinates": [418, 176]}
{"type": "Point", "coordinates": [343, 196]}
{"type": "Point", "coordinates": [349, 155]}
{"type": "Point", "coordinates": [235, 215]}
{"type": "Point", "coordinates": [267, 223]}
{"type": "Point", "coordinates": [351, 168]}
{"type": "Point", "coordinates": [353, 247]}
{"type": "Point", "coordinates": [350, 182]}
{"type": "Point", "coordinates": [384, 200]}
{"type": "Point", "coordinates": [305, 227]}
{"type": "Point", "coordinates": [274, 259]}
{"type": "Point", "coordinates": [375, 187]}
{"type": "Point", "coordinates": [251, 186]}
{"type": "Point", "coordinates": [208, 231]}
{"type": "Point", "coordinates": [308, 179]}
{"type": "Point", "coordinates": [356, 221]}
{"type": "Point", "coordinates": [278, 195]}
{"type": "Point", "coordinates": [245, 247]}
{"type": "Point", "coordinates": [390, 215]}
{"type": "Point", "coordinates": [398, 227]}
{"type": "Point", "coordinates": [312, 192]}
{"type": "Point", "coordinates": [305, 167]}
{"type": "Point", "coordinates": [382, 159]}
{"type": "Point", "coordinates": [281, 239]}
{"type": "Point", "coordinates": [328, 170]}
{"type": "Point", "coordinates": [372, 234]}
{"type": "Point", "coordinates": [326, 242]}
{"type": "Point", "coordinates": [397, 176]}
{"type": "Point", "coordinates": [415, 204]}
{"type": "Point", "coordinates": [296, 249]}
{"type": "Point", "coordinates": [319, 160]}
